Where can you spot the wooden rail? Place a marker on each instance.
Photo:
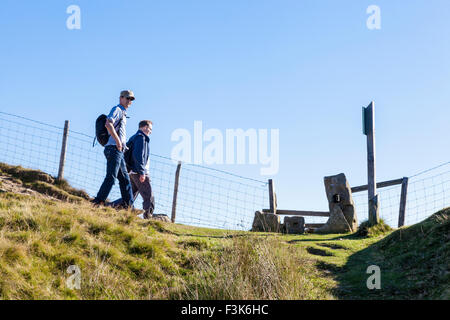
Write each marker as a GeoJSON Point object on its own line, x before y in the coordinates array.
{"type": "Point", "coordinates": [314, 225]}
{"type": "Point", "coordinates": [300, 213]}
{"type": "Point", "coordinates": [379, 185]}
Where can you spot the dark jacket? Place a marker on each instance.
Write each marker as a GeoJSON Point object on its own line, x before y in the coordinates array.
{"type": "Point", "coordinates": [137, 155]}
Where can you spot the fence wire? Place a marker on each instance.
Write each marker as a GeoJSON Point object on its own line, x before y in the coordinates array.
{"type": "Point", "coordinates": [206, 197]}
{"type": "Point", "coordinates": [388, 202]}
{"type": "Point", "coordinates": [428, 192]}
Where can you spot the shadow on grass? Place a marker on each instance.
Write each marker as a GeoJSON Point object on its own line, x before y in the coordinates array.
{"type": "Point", "coordinates": [228, 236]}
{"type": "Point", "coordinates": [337, 238]}
{"type": "Point", "coordinates": [413, 262]}
{"type": "Point", "coordinates": [352, 278]}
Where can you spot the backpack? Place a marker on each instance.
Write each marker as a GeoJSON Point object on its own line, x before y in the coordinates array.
{"type": "Point", "coordinates": [101, 133]}
{"type": "Point", "coordinates": [127, 155]}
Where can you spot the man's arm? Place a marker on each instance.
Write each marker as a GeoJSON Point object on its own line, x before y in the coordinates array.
{"type": "Point", "coordinates": [138, 155]}
{"type": "Point", "coordinates": [109, 126]}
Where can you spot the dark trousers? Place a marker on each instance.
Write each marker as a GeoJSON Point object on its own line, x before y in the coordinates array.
{"type": "Point", "coordinates": [143, 188]}
{"type": "Point", "coordinates": [116, 169]}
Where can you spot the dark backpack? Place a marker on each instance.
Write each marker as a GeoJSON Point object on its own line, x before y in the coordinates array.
{"type": "Point", "coordinates": [127, 155]}
{"type": "Point", "coordinates": [101, 133]}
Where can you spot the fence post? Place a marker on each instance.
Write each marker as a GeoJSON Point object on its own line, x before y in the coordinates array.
{"type": "Point", "coordinates": [62, 158]}
{"type": "Point", "coordinates": [272, 197]}
{"type": "Point", "coordinates": [175, 192]}
{"type": "Point", "coordinates": [401, 215]}
{"type": "Point", "coordinates": [369, 131]}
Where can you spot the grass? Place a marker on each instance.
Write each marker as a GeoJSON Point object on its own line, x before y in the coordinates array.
{"type": "Point", "coordinates": [43, 183]}
{"type": "Point", "coordinates": [123, 257]}
{"type": "Point", "coordinates": [365, 229]}
{"type": "Point", "coordinates": [414, 262]}
{"type": "Point", "coordinates": [255, 268]}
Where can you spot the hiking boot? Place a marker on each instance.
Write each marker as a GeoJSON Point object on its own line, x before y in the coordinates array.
{"type": "Point", "coordinates": [147, 215]}
{"type": "Point", "coordinates": [97, 203]}
{"type": "Point", "coordinates": [121, 206]}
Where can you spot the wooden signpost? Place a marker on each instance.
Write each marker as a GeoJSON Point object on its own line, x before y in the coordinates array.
{"type": "Point", "coordinates": [369, 131]}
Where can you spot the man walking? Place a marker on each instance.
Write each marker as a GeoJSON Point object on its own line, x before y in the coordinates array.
{"type": "Point", "coordinates": [138, 161]}
{"type": "Point", "coordinates": [114, 152]}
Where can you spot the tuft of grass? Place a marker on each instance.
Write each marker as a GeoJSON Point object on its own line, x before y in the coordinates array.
{"type": "Point", "coordinates": [52, 190]}
{"type": "Point", "coordinates": [12, 254]}
{"type": "Point", "coordinates": [64, 185]}
{"type": "Point", "coordinates": [253, 268]}
{"type": "Point", "coordinates": [26, 175]}
{"type": "Point", "coordinates": [44, 183]}
{"type": "Point", "coordinates": [194, 243]}
{"type": "Point", "coordinates": [365, 229]}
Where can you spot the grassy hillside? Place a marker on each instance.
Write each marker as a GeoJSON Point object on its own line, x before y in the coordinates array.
{"type": "Point", "coordinates": [124, 257]}
{"type": "Point", "coordinates": [46, 226]}
{"type": "Point", "coordinates": [414, 263]}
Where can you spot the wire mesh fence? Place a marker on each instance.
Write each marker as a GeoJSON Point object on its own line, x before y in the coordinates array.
{"type": "Point", "coordinates": [428, 192]}
{"type": "Point", "coordinates": [389, 204]}
{"type": "Point", "coordinates": [233, 200]}
{"type": "Point", "coordinates": [206, 197]}
{"type": "Point", "coordinates": [31, 144]}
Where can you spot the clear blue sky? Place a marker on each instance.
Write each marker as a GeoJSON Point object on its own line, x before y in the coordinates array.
{"type": "Point", "coordinates": [303, 67]}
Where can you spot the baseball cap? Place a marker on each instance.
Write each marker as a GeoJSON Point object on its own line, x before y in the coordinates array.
{"type": "Point", "coordinates": [127, 94]}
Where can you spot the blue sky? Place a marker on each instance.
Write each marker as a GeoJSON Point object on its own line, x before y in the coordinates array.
{"type": "Point", "coordinates": [303, 67]}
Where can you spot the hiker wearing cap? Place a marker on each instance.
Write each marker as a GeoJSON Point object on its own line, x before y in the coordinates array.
{"type": "Point", "coordinates": [138, 164]}
{"type": "Point", "coordinates": [116, 123]}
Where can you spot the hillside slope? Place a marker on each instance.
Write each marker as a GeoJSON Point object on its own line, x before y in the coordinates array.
{"type": "Point", "coordinates": [47, 226]}
{"type": "Point", "coordinates": [414, 263]}
{"type": "Point", "coordinates": [124, 257]}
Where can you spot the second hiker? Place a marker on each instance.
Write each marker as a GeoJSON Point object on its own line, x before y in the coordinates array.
{"type": "Point", "coordinates": [138, 164]}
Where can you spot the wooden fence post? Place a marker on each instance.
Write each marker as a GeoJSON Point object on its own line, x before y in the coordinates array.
{"type": "Point", "coordinates": [62, 158]}
{"type": "Point", "coordinates": [272, 197]}
{"type": "Point", "coordinates": [401, 215]}
{"type": "Point", "coordinates": [175, 192]}
{"type": "Point", "coordinates": [369, 130]}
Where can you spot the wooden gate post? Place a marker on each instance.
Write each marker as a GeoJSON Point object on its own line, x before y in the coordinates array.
{"type": "Point", "coordinates": [401, 215]}
{"type": "Point", "coordinates": [175, 192]}
{"type": "Point", "coordinates": [369, 131]}
{"type": "Point", "coordinates": [62, 158]}
{"type": "Point", "coordinates": [272, 197]}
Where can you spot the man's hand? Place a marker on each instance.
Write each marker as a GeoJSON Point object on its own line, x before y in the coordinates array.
{"type": "Point", "coordinates": [119, 145]}
{"type": "Point", "coordinates": [142, 178]}
{"type": "Point", "coordinates": [109, 126]}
